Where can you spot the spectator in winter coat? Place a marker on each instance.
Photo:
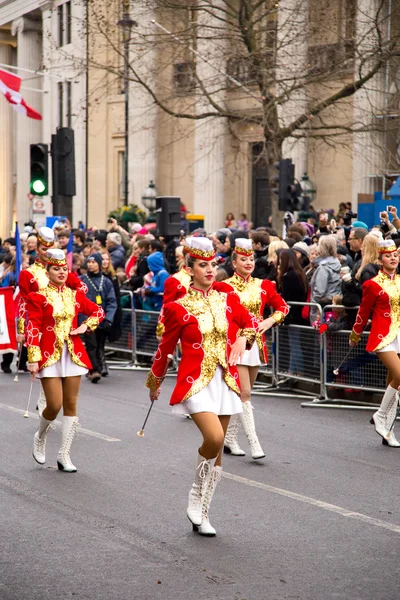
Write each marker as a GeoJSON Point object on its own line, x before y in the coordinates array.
{"type": "Point", "coordinates": [100, 291]}
{"type": "Point", "coordinates": [116, 250]}
{"type": "Point", "coordinates": [141, 267]}
{"type": "Point", "coordinates": [325, 282]}
{"type": "Point", "coordinates": [160, 274]}
{"type": "Point", "coordinates": [260, 241]}
{"type": "Point", "coordinates": [292, 286]}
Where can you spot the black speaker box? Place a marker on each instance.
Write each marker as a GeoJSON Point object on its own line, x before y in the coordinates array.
{"type": "Point", "coordinates": [168, 215]}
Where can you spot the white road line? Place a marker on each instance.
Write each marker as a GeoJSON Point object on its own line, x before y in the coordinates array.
{"type": "Point", "coordinates": [82, 430]}
{"type": "Point", "coordinates": [318, 503]}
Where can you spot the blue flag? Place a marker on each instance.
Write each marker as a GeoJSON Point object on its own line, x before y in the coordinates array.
{"type": "Point", "coordinates": [69, 252]}
{"type": "Point", "coordinates": [18, 253]}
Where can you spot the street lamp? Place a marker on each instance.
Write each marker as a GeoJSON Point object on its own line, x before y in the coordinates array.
{"type": "Point", "coordinates": [126, 23]}
{"type": "Point", "coordinates": [149, 197]}
{"type": "Point", "coordinates": [308, 187]}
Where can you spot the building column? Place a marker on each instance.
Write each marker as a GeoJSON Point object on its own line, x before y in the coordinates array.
{"type": "Point", "coordinates": [6, 146]}
{"type": "Point", "coordinates": [292, 67]}
{"type": "Point", "coordinates": [209, 136]}
{"type": "Point", "coordinates": [369, 102]}
{"type": "Point", "coordinates": [29, 131]}
{"type": "Point", "coordinates": [142, 110]}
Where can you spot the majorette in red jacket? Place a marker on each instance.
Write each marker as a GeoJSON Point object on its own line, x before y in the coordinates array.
{"type": "Point", "coordinates": [255, 294]}
{"type": "Point", "coordinates": [381, 297]}
{"type": "Point", "coordinates": [53, 314]}
{"type": "Point", "coordinates": [207, 324]}
{"type": "Point", "coordinates": [34, 279]}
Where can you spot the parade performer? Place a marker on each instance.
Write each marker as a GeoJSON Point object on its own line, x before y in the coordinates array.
{"type": "Point", "coordinates": [175, 286]}
{"type": "Point", "coordinates": [56, 354]}
{"type": "Point", "coordinates": [381, 298]}
{"type": "Point", "coordinates": [255, 295]}
{"type": "Point", "coordinates": [214, 330]}
{"type": "Point", "coordinates": [35, 278]}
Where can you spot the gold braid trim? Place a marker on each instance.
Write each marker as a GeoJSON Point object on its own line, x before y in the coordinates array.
{"type": "Point", "coordinates": [249, 334]}
{"type": "Point", "coordinates": [160, 330]}
{"type": "Point", "coordinates": [34, 354]}
{"type": "Point", "coordinates": [354, 337]}
{"type": "Point", "coordinates": [92, 323]}
{"type": "Point", "coordinates": [278, 316]}
{"type": "Point", "coordinates": [20, 325]}
{"type": "Point", "coordinates": [153, 382]}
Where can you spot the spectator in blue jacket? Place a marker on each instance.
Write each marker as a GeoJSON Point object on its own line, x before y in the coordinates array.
{"type": "Point", "coordinates": [160, 274]}
{"type": "Point", "coordinates": [116, 249]}
{"type": "Point", "coordinates": [101, 291]}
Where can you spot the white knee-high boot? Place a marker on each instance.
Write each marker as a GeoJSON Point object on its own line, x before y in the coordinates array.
{"type": "Point", "coordinates": [391, 420]}
{"type": "Point", "coordinates": [39, 441]}
{"type": "Point", "coordinates": [197, 491]}
{"type": "Point", "coordinates": [69, 428]}
{"type": "Point", "coordinates": [206, 528]}
{"type": "Point", "coordinates": [231, 445]}
{"type": "Point", "coordinates": [247, 419]}
{"type": "Point", "coordinates": [383, 418]}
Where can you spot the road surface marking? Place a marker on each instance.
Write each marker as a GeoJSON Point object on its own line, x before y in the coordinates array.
{"type": "Point", "coordinates": [82, 430]}
{"type": "Point", "coordinates": [344, 512]}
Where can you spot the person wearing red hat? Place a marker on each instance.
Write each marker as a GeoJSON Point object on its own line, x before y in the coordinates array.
{"type": "Point", "coordinates": [56, 353]}
{"type": "Point", "coordinates": [214, 330]}
{"type": "Point", "coordinates": [255, 295]}
{"type": "Point", "coordinates": [381, 303]}
{"type": "Point", "coordinates": [35, 278]}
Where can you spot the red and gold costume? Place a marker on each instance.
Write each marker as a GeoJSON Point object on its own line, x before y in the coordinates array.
{"type": "Point", "coordinates": [34, 279]}
{"type": "Point", "coordinates": [207, 324]}
{"type": "Point", "coordinates": [53, 314]}
{"type": "Point", "coordinates": [175, 287]}
{"type": "Point", "coordinates": [255, 294]}
{"type": "Point", "coordinates": [381, 297]}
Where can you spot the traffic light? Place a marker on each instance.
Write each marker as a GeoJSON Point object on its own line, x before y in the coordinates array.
{"type": "Point", "coordinates": [285, 178]}
{"type": "Point", "coordinates": [65, 156]}
{"type": "Point", "coordinates": [39, 169]}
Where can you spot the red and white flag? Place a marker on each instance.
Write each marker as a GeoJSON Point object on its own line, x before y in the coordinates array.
{"type": "Point", "coordinates": [10, 85]}
{"type": "Point", "coordinates": [8, 337]}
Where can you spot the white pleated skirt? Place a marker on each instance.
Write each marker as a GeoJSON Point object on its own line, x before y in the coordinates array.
{"type": "Point", "coordinates": [216, 397]}
{"type": "Point", "coordinates": [393, 346]}
{"type": "Point", "coordinates": [251, 358]}
{"type": "Point", "coordinates": [65, 367]}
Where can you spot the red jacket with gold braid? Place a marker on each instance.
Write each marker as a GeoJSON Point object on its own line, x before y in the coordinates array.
{"type": "Point", "coordinates": [175, 287]}
{"type": "Point", "coordinates": [34, 279]}
{"type": "Point", "coordinates": [53, 314]}
{"type": "Point", "coordinates": [381, 297]}
{"type": "Point", "coordinates": [207, 324]}
{"type": "Point", "coordinates": [255, 294]}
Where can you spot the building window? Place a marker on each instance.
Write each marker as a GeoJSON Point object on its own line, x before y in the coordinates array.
{"type": "Point", "coordinates": [69, 103]}
{"type": "Point", "coordinates": [61, 104]}
{"type": "Point", "coordinates": [184, 76]}
{"type": "Point", "coordinates": [60, 19]}
{"type": "Point", "coordinates": [68, 22]}
{"type": "Point", "coordinates": [64, 23]}
{"type": "Point", "coordinates": [121, 176]}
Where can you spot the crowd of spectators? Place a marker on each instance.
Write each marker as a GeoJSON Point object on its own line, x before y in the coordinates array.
{"type": "Point", "coordinates": [320, 258]}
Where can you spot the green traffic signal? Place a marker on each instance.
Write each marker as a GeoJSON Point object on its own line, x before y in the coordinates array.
{"type": "Point", "coordinates": [38, 187]}
{"type": "Point", "coordinates": [39, 169]}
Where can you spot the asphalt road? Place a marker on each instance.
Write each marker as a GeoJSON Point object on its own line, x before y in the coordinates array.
{"type": "Point", "coordinates": [318, 519]}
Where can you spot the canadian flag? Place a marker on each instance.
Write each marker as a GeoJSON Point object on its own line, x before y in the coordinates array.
{"type": "Point", "coordinates": [10, 85]}
{"type": "Point", "coordinates": [8, 338]}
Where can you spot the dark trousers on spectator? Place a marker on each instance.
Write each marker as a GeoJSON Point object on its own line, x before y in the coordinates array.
{"type": "Point", "coordinates": [8, 357]}
{"type": "Point", "coordinates": [95, 343]}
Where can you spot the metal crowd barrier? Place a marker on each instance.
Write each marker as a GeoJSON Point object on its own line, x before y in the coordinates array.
{"type": "Point", "coordinates": [296, 353]}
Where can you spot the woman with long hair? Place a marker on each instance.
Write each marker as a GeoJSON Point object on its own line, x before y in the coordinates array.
{"type": "Point", "coordinates": [273, 247]}
{"type": "Point", "coordinates": [56, 354]}
{"type": "Point", "coordinates": [214, 331]}
{"type": "Point", "coordinates": [292, 285]}
{"type": "Point", "coordinates": [380, 303]}
{"type": "Point", "coordinates": [255, 295]}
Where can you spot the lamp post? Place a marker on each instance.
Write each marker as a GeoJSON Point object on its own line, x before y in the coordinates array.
{"type": "Point", "coordinates": [126, 23]}
{"type": "Point", "coordinates": [149, 197]}
{"type": "Point", "coordinates": [309, 188]}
